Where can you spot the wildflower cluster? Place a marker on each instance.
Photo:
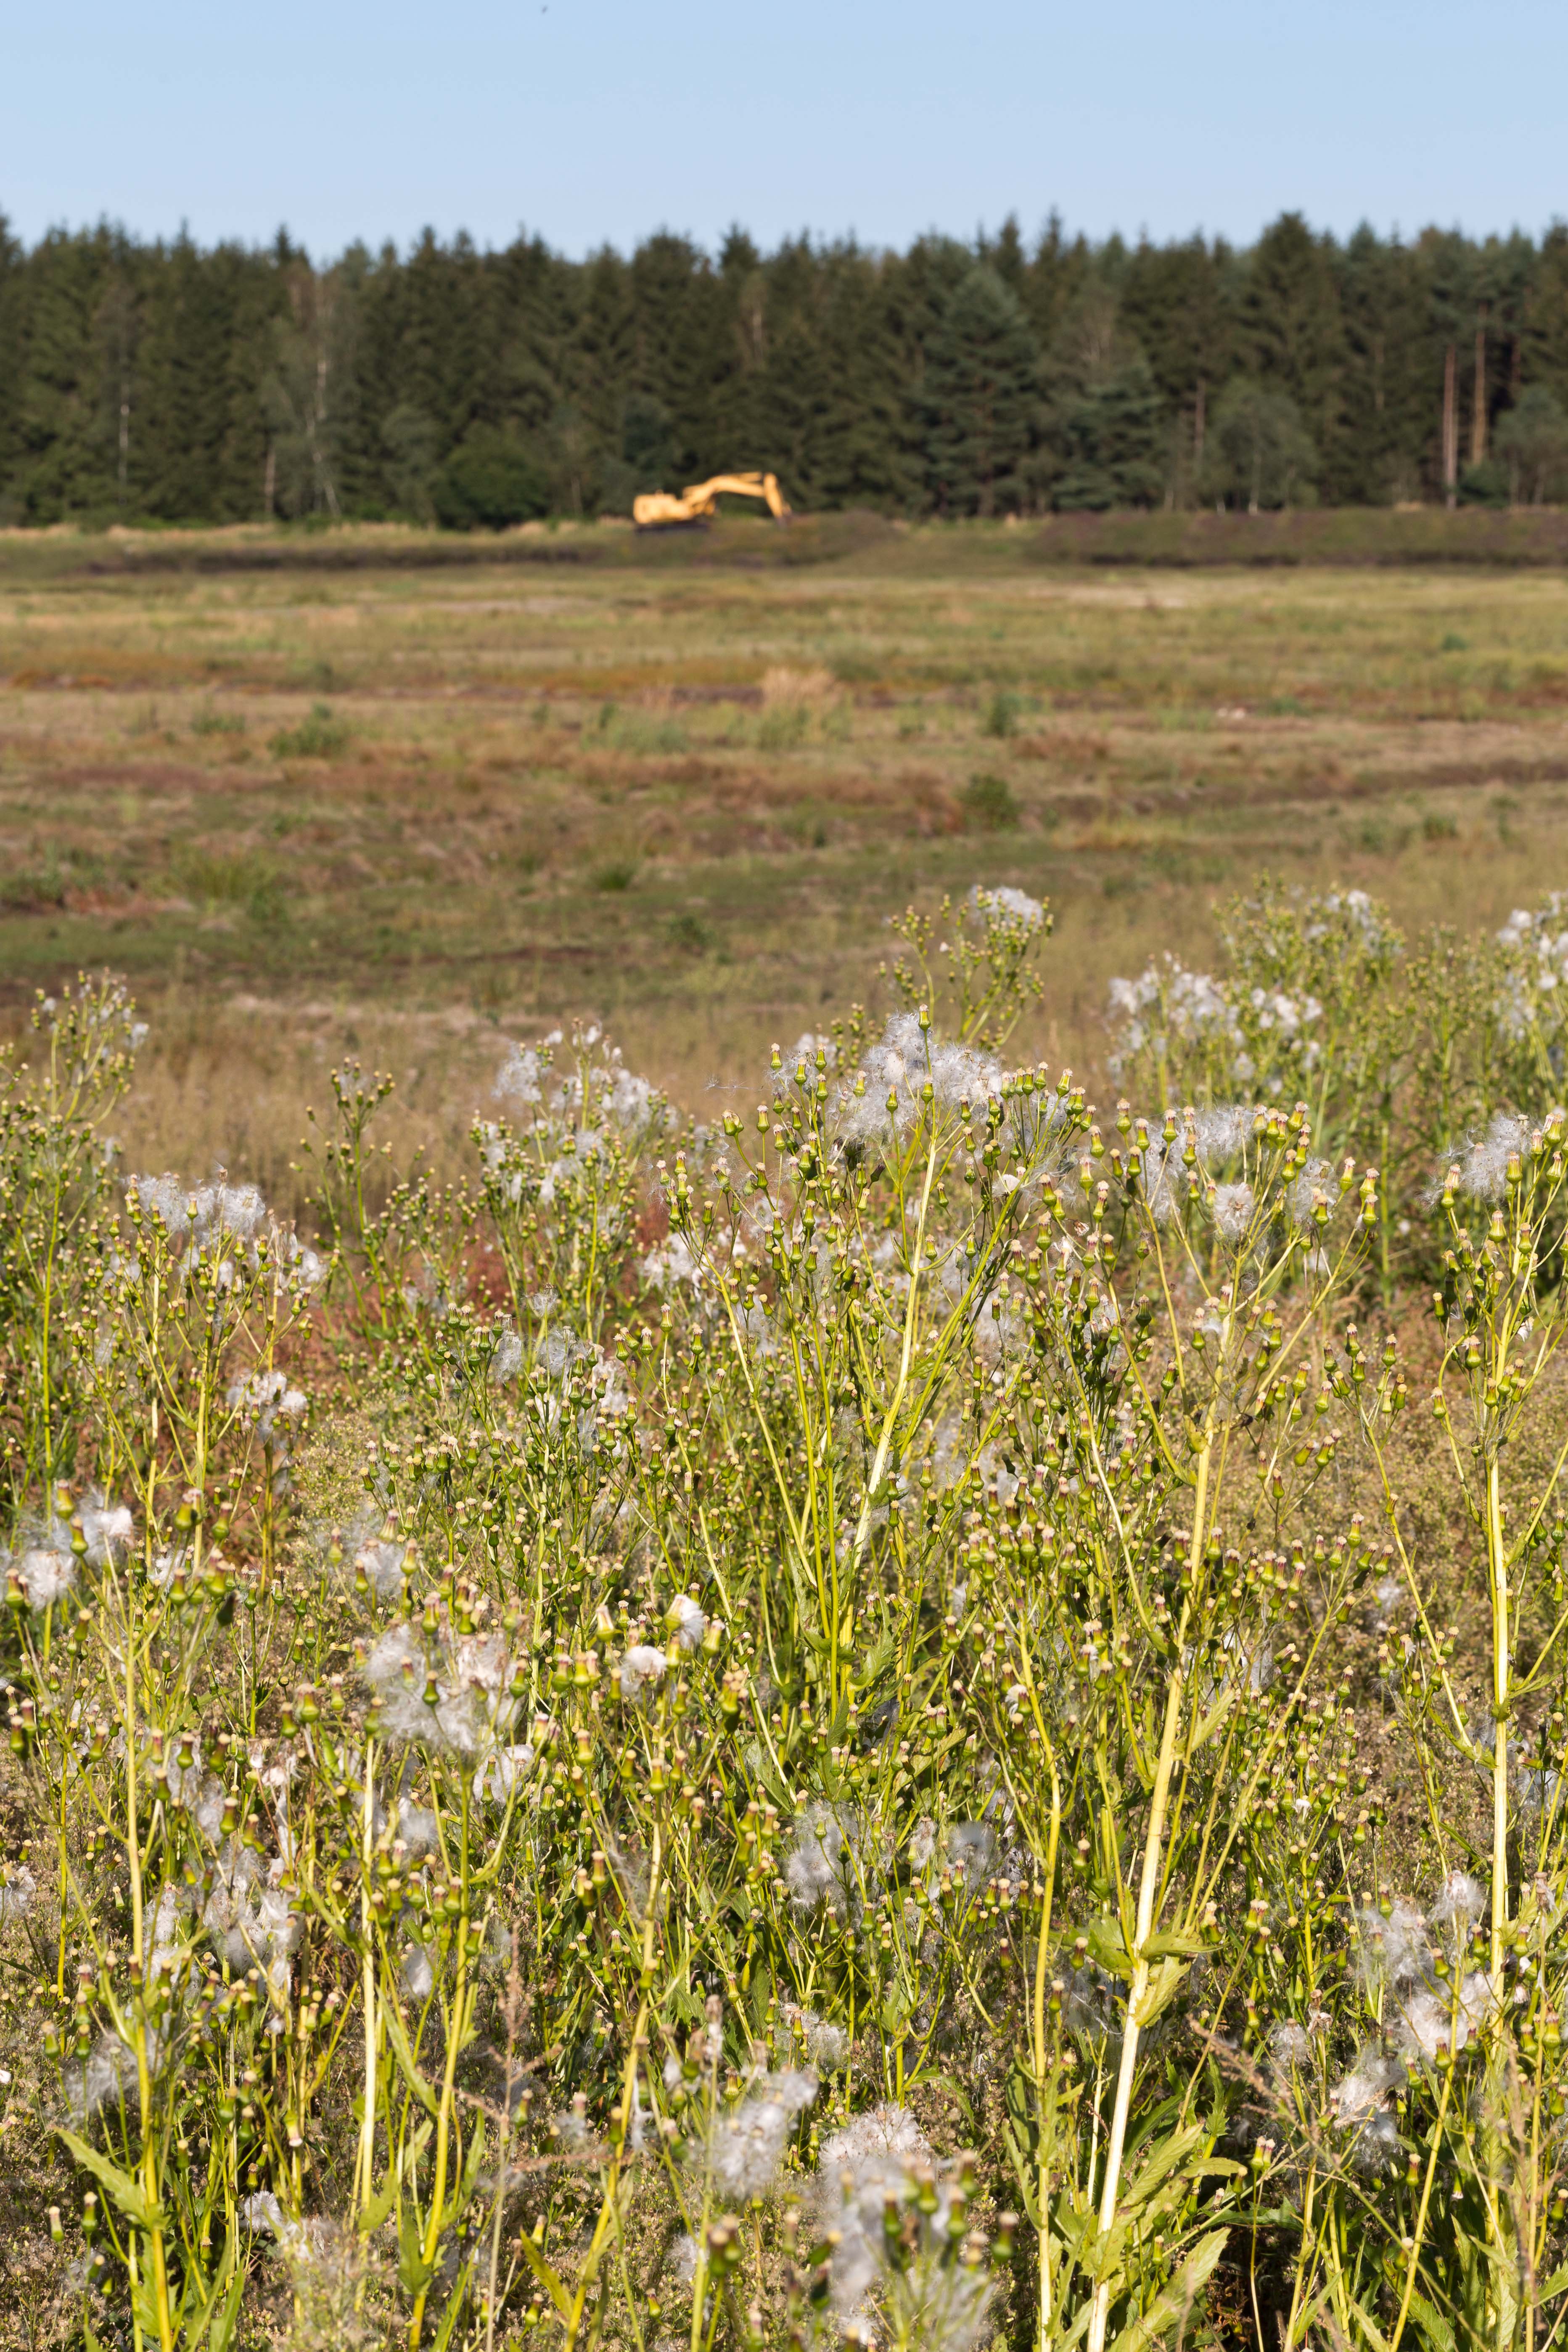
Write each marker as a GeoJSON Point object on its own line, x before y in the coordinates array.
{"type": "Point", "coordinates": [802, 1731]}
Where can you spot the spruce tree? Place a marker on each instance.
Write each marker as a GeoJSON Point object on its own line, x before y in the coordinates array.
{"type": "Point", "coordinates": [1544, 329]}
{"type": "Point", "coordinates": [1388, 372]}
{"type": "Point", "coordinates": [62, 462]}
{"type": "Point", "coordinates": [13, 363]}
{"type": "Point", "coordinates": [750, 309]}
{"type": "Point", "coordinates": [863, 460]}
{"type": "Point", "coordinates": [676, 341]}
{"type": "Point", "coordinates": [1053, 280]}
{"type": "Point", "coordinates": [1292, 335]}
{"type": "Point", "coordinates": [599, 355]}
{"type": "Point", "coordinates": [1532, 446]}
{"type": "Point", "coordinates": [187, 388]}
{"type": "Point", "coordinates": [1174, 301]}
{"type": "Point", "coordinates": [1112, 441]}
{"type": "Point", "coordinates": [979, 399]}
{"type": "Point", "coordinates": [162, 379]}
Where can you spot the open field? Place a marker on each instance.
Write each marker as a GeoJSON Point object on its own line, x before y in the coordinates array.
{"type": "Point", "coordinates": [393, 808]}
{"type": "Point", "coordinates": [787, 1733]}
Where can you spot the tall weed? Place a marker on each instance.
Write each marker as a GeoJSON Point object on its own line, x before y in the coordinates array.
{"type": "Point", "coordinates": [833, 1727]}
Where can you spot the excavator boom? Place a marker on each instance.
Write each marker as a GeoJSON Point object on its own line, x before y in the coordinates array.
{"type": "Point", "coordinates": [699, 500]}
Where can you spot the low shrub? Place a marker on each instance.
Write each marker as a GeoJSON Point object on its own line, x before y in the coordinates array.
{"type": "Point", "coordinates": [990, 805]}
{"type": "Point", "coordinates": [318, 736]}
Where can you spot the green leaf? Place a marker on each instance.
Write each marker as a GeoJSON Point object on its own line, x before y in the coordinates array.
{"type": "Point", "coordinates": [878, 1662]}
{"type": "Point", "coordinates": [1108, 1945]}
{"type": "Point", "coordinates": [474, 2158]}
{"type": "Point", "coordinates": [1181, 1947]}
{"type": "Point", "coordinates": [373, 2214]}
{"type": "Point", "coordinates": [127, 2193]}
{"type": "Point", "coordinates": [1020, 2096]}
{"type": "Point", "coordinates": [759, 1765]}
{"type": "Point", "coordinates": [1165, 1983]}
{"type": "Point", "coordinates": [1172, 2300]}
{"type": "Point", "coordinates": [1026, 2174]}
{"type": "Point", "coordinates": [414, 2274]}
{"type": "Point", "coordinates": [681, 2003]}
{"type": "Point", "coordinates": [145, 2309]}
{"type": "Point", "coordinates": [941, 2079]}
{"type": "Point", "coordinates": [547, 2278]}
{"type": "Point", "coordinates": [407, 2063]}
{"type": "Point", "coordinates": [222, 2316]}
{"type": "Point", "coordinates": [1366, 2324]}
{"type": "Point", "coordinates": [1431, 2323]}
{"type": "Point", "coordinates": [1210, 1723]}
{"type": "Point", "coordinates": [895, 2012]}
{"type": "Point", "coordinates": [1164, 2160]}
{"type": "Point", "coordinates": [454, 2307]}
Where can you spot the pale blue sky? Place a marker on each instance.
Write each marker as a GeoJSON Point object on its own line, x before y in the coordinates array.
{"type": "Point", "coordinates": [601, 119]}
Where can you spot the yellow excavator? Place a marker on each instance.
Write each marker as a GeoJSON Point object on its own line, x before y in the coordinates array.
{"type": "Point", "coordinates": [658, 510]}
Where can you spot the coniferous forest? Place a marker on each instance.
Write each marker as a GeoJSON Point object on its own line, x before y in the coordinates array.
{"type": "Point", "coordinates": [163, 382]}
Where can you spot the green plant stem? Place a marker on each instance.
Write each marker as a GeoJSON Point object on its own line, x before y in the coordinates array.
{"type": "Point", "coordinates": [365, 2168]}
{"type": "Point", "coordinates": [149, 2167]}
{"type": "Point", "coordinates": [1413, 2264]}
{"type": "Point", "coordinates": [454, 2040]}
{"type": "Point", "coordinates": [1149, 1888]}
{"type": "Point", "coordinates": [863, 1528]}
{"type": "Point", "coordinates": [1496, 1562]}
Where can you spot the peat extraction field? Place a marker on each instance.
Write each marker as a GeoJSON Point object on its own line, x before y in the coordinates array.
{"type": "Point", "coordinates": [386, 804]}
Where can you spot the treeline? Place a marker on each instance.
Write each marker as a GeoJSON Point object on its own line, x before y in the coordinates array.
{"type": "Point", "coordinates": [163, 382]}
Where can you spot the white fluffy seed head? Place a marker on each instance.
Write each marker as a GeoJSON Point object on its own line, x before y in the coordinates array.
{"type": "Point", "coordinates": [746, 2146]}
{"type": "Point", "coordinates": [1008, 905]}
{"type": "Point", "coordinates": [686, 1621]}
{"type": "Point", "coordinates": [642, 1670]}
{"type": "Point", "coordinates": [1233, 1207]}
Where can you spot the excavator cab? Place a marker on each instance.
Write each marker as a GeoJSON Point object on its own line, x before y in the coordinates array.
{"type": "Point", "coordinates": [660, 510]}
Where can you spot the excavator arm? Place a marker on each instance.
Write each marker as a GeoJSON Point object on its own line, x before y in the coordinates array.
{"type": "Point", "coordinates": [699, 500]}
